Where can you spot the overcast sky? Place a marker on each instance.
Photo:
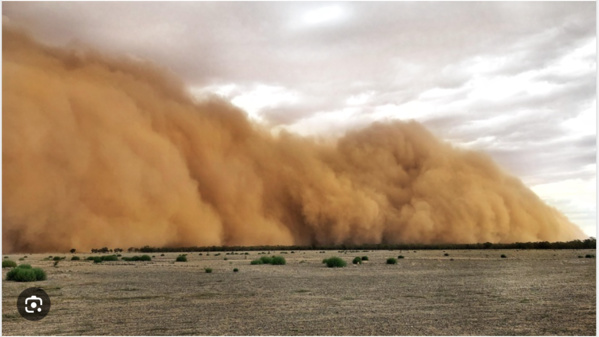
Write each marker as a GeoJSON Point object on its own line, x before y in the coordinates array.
{"type": "Point", "coordinates": [515, 80]}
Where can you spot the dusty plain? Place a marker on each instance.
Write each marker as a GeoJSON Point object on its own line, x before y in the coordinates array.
{"type": "Point", "coordinates": [469, 292]}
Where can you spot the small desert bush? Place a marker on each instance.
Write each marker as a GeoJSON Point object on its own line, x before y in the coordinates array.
{"type": "Point", "coordinates": [99, 259]}
{"type": "Point", "coordinates": [137, 258]}
{"type": "Point", "coordinates": [364, 258]}
{"type": "Point", "coordinates": [400, 257]}
{"type": "Point", "coordinates": [391, 260]}
{"type": "Point", "coordinates": [589, 256]}
{"type": "Point", "coordinates": [58, 258]}
{"type": "Point", "coordinates": [266, 259]}
{"type": "Point", "coordinates": [357, 260]}
{"type": "Point", "coordinates": [335, 262]}
{"type": "Point", "coordinates": [274, 260]}
{"type": "Point", "coordinates": [181, 258]}
{"type": "Point", "coordinates": [235, 270]}
{"type": "Point", "coordinates": [145, 258]}
{"type": "Point", "coordinates": [503, 256]}
{"type": "Point", "coordinates": [446, 254]}
{"type": "Point", "coordinates": [278, 260]}
{"type": "Point", "coordinates": [208, 270]}
{"type": "Point", "coordinates": [75, 258]}
{"type": "Point", "coordinates": [8, 264]}
{"type": "Point", "coordinates": [24, 273]}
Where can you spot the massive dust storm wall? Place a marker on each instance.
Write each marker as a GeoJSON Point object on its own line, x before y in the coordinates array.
{"type": "Point", "coordinates": [98, 151]}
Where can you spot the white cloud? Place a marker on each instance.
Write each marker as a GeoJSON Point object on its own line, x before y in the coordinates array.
{"type": "Point", "coordinates": [323, 15]}
{"type": "Point", "coordinates": [360, 99]}
{"type": "Point", "coordinates": [252, 99]}
{"type": "Point", "coordinates": [575, 197]}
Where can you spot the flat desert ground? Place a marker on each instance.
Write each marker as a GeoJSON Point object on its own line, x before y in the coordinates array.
{"type": "Point", "coordinates": [531, 292]}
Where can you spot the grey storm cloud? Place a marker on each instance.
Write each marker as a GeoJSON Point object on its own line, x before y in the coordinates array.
{"type": "Point", "coordinates": [443, 58]}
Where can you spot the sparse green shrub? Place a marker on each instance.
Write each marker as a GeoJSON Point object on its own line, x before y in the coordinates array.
{"type": "Point", "coordinates": [391, 260]}
{"type": "Point", "coordinates": [580, 256]}
{"type": "Point", "coordinates": [357, 260]}
{"type": "Point", "coordinates": [589, 256]}
{"type": "Point", "coordinates": [335, 262]}
{"type": "Point", "coordinates": [163, 254]}
{"type": "Point", "coordinates": [8, 264]}
{"type": "Point", "coordinates": [235, 270]}
{"type": "Point", "coordinates": [181, 258]}
{"type": "Point", "coordinates": [75, 258]}
{"type": "Point", "coordinates": [99, 259]}
{"type": "Point", "coordinates": [24, 273]}
{"type": "Point", "coordinates": [58, 258]}
{"type": "Point", "coordinates": [137, 258]}
{"type": "Point", "coordinates": [21, 275]}
{"type": "Point", "coordinates": [266, 259]}
{"type": "Point", "coordinates": [503, 256]}
{"type": "Point", "coordinates": [225, 259]}
{"type": "Point", "coordinates": [400, 257]}
{"type": "Point", "coordinates": [364, 258]}
{"type": "Point", "coordinates": [208, 270]}
{"type": "Point", "coordinates": [21, 259]}
{"type": "Point", "coordinates": [40, 274]}
{"type": "Point", "coordinates": [446, 254]}
{"type": "Point", "coordinates": [278, 260]}
{"type": "Point", "coordinates": [110, 258]}
{"type": "Point", "coordinates": [258, 261]}
{"type": "Point", "coordinates": [6, 257]}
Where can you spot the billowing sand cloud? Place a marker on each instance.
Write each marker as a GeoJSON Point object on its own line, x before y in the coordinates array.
{"type": "Point", "coordinates": [105, 152]}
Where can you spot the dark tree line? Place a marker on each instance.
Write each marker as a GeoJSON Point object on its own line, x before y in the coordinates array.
{"type": "Point", "coordinates": [589, 243]}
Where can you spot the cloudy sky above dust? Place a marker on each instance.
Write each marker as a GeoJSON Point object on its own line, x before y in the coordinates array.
{"type": "Point", "coordinates": [515, 80]}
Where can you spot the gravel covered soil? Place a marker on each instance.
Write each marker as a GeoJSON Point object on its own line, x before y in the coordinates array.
{"type": "Point", "coordinates": [469, 292]}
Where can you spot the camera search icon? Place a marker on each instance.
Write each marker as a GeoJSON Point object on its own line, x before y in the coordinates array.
{"type": "Point", "coordinates": [33, 304]}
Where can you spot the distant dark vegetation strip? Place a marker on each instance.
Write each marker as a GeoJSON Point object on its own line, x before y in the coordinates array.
{"type": "Point", "coordinates": [576, 244]}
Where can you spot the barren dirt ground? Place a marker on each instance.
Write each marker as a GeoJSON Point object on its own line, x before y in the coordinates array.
{"type": "Point", "coordinates": [530, 292]}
